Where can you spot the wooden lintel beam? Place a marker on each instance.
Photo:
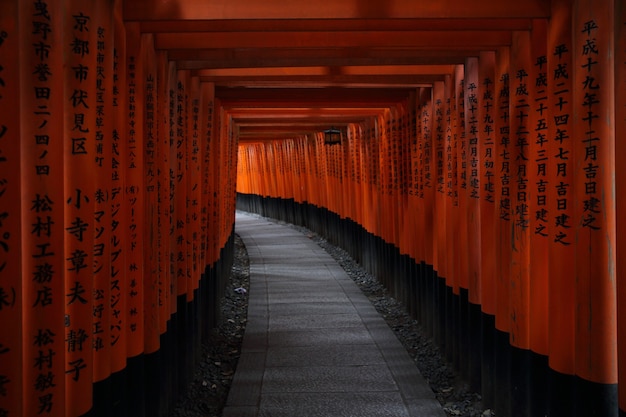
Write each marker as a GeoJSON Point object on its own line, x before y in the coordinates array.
{"type": "Point", "coordinates": [310, 98]}
{"type": "Point", "coordinates": [305, 57]}
{"type": "Point", "coordinates": [280, 124]}
{"type": "Point", "coordinates": [477, 39]}
{"type": "Point", "coordinates": [343, 25]}
{"type": "Point", "coordinates": [248, 114]}
{"type": "Point", "coordinates": [277, 129]}
{"type": "Point", "coordinates": [280, 119]}
{"type": "Point", "coordinates": [146, 10]}
{"type": "Point", "coordinates": [313, 94]}
{"type": "Point", "coordinates": [316, 71]}
{"type": "Point", "coordinates": [190, 63]}
{"type": "Point", "coordinates": [264, 140]}
{"type": "Point", "coordinates": [309, 103]}
{"type": "Point", "coordinates": [324, 81]}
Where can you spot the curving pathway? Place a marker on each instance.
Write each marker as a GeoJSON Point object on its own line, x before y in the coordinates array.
{"type": "Point", "coordinates": [314, 345]}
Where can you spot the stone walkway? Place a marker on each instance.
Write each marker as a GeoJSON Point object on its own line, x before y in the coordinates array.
{"type": "Point", "coordinates": [314, 345]}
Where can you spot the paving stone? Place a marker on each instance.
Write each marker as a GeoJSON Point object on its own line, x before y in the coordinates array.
{"type": "Point", "coordinates": [314, 345]}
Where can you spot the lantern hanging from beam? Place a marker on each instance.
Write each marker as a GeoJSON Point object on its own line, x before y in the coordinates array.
{"type": "Point", "coordinates": [332, 136]}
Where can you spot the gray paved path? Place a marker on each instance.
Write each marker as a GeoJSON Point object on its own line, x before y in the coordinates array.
{"type": "Point", "coordinates": [314, 345]}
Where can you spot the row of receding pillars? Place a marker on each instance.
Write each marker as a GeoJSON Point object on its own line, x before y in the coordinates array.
{"type": "Point", "coordinates": [117, 195]}
{"type": "Point", "coordinates": [501, 181]}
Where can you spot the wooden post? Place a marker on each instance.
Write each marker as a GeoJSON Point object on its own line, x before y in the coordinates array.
{"type": "Point", "coordinates": [620, 197]}
{"type": "Point", "coordinates": [537, 173]}
{"type": "Point", "coordinates": [594, 204]}
{"type": "Point", "coordinates": [119, 220]}
{"type": "Point", "coordinates": [437, 158]}
{"type": "Point", "coordinates": [473, 193]}
{"type": "Point", "coordinates": [103, 103]}
{"type": "Point", "coordinates": [12, 244]}
{"type": "Point", "coordinates": [488, 264]}
{"type": "Point", "coordinates": [562, 225]}
{"type": "Point", "coordinates": [134, 194]}
{"type": "Point", "coordinates": [520, 109]}
{"type": "Point", "coordinates": [150, 150]}
{"type": "Point", "coordinates": [79, 200]}
{"type": "Point", "coordinates": [504, 215]}
{"type": "Point", "coordinates": [163, 225]}
{"type": "Point", "coordinates": [42, 131]}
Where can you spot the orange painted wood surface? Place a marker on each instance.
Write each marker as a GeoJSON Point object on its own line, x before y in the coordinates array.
{"type": "Point", "coordinates": [538, 188]}
{"type": "Point", "coordinates": [103, 153]}
{"type": "Point", "coordinates": [504, 188]}
{"type": "Point", "coordinates": [147, 100]}
{"type": "Point", "coordinates": [134, 191]}
{"type": "Point", "coordinates": [79, 194]}
{"type": "Point", "coordinates": [438, 162]}
{"type": "Point", "coordinates": [12, 245]}
{"type": "Point", "coordinates": [487, 150]}
{"type": "Point", "coordinates": [620, 196]}
{"type": "Point", "coordinates": [119, 203]}
{"type": "Point", "coordinates": [519, 108]}
{"type": "Point", "coordinates": [594, 202]}
{"type": "Point", "coordinates": [169, 9]}
{"type": "Point", "coordinates": [562, 223]}
{"type": "Point", "coordinates": [472, 190]}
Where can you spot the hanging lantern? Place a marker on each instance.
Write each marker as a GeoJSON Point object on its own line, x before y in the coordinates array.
{"type": "Point", "coordinates": [332, 136]}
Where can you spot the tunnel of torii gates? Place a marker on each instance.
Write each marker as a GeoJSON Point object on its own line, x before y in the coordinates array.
{"type": "Point", "coordinates": [479, 176]}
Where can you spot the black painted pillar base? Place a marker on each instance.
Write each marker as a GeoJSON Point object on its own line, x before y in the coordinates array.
{"type": "Point", "coordinates": [102, 394]}
{"type": "Point", "coordinates": [488, 369]}
{"type": "Point", "coordinates": [135, 386]}
{"type": "Point", "coordinates": [503, 374]}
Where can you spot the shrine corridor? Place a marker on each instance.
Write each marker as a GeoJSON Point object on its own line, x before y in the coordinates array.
{"type": "Point", "coordinates": [467, 153]}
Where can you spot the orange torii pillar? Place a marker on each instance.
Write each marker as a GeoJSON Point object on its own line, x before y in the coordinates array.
{"type": "Point", "coordinates": [537, 173]}
{"type": "Point", "coordinates": [439, 243]}
{"type": "Point", "coordinates": [520, 110]}
{"type": "Point", "coordinates": [487, 177]}
{"type": "Point", "coordinates": [446, 296]}
{"type": "Point", "coordinates": [472, 193]}
{"type": "Point", "coordinates": [119, 220]}
{"type": "Point", "coordinates": [412, 210]}
{"type": "Point", "coordinates": [207, 98]}
{"type": "Point", "coordinates": [427, 209]}
{"type": "Point", "coordinates": [593, 140]}
{"type": "Point", "coordinates": [620, 186]}
{"type": "Point", "coordinates": [396, 195]}
{"type": "Point", "coordinates": [169, 85]}
{"type": "Point", "coordinates": [181, 173]}
{"type": "Point", "coordinates": [369, 198]}
{"type": "Point", "coordinates": [79, 184]}
{"type": "Point", "coordinates": [103, 25]}
{"type": "Point", "coordinates": [354, 161]}
{"type": "Point", "coordinates": [148, 97]}
{"type": "Point", "coordinates": [452, 214]}
{"type": "Point", "coordinates": [133, 191]}
{"type": "Point", "coordinates": [405, 231]}
{"type": "Point", "coordinates": [159, 104]}
{"type": "Point", "coordinates": [460, 283]}
{"type": "Point", "coordinates": [561, 225]}
{"type": "Point", "coordinates": [385, 228]}
{"type": "Point", "coordinates": [32, 310]}
{"type": "Point", "coordinates": [12, 248]}
{"type": "Point", "coordinates": [161, 172]}
{"type": "Point", "coordinates": [503, 218]}
{"type": "Point", "coordinates": [194, 188]}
